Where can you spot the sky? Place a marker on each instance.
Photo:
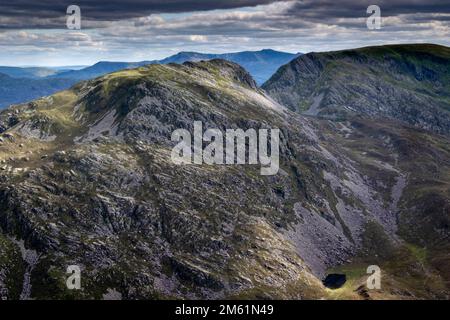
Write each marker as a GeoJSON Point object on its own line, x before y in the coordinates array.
{"type": "Point", "coordinates": [35, 32]}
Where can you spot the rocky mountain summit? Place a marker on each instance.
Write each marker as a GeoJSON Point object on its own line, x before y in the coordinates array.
{"type": "Point", "coordinates": [20, 85]}
{"type": "Point", "coordinates": [86, 179]}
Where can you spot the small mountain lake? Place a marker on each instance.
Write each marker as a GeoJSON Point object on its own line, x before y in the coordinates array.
{"type": "Point", "coordinates": [335, 281]}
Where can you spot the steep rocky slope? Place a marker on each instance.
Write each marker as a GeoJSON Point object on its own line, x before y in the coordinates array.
{"type": "Point", "coordinates": [86, 179]}
{"type": "Point", "coordinates": [410, 83]}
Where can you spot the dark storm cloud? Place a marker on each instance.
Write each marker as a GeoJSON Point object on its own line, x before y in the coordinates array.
{"type": "Point", "coordinates": [50, 13]}
{"type": "Point", "coordinates": [327, 10]}
{"type": "Point", "coordinates": [45, 14]}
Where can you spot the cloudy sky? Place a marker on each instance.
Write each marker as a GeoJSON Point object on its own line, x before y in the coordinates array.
{"type": "Point", "coordinates": [35, 33]}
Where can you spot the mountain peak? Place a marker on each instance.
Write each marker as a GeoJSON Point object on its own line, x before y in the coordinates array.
{"type": "Point", "coordinates": [225, 68]}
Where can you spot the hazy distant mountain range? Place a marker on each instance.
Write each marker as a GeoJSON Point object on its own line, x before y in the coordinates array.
{"type": "Point", "coordinates": [27, 72]}
{"type": "Point", "coordinates": [36, 72]}
{"type": "Point", "coordinates": [260, 64]}
{"type": "Point", "coordinates": [16, 90]}
{"type": "Point", "coordinates": [16, 86]}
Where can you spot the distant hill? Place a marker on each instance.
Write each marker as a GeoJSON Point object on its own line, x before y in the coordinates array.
{"type": "Point", "coordinates": [17, 90]}
{"type": "Point", "coordinates": [260, 64]}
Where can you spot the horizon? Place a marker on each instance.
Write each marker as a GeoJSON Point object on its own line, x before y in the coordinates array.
{"type": "Point", "coordinates": [208, 53]}
{"type": "Point", "coordinates": [38, 35]}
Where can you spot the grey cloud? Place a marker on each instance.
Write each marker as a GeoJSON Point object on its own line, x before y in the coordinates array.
{"type": "Point", "coordinates": [324, 9]}
{"type": "Point", "coordinates": [51, 13]}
